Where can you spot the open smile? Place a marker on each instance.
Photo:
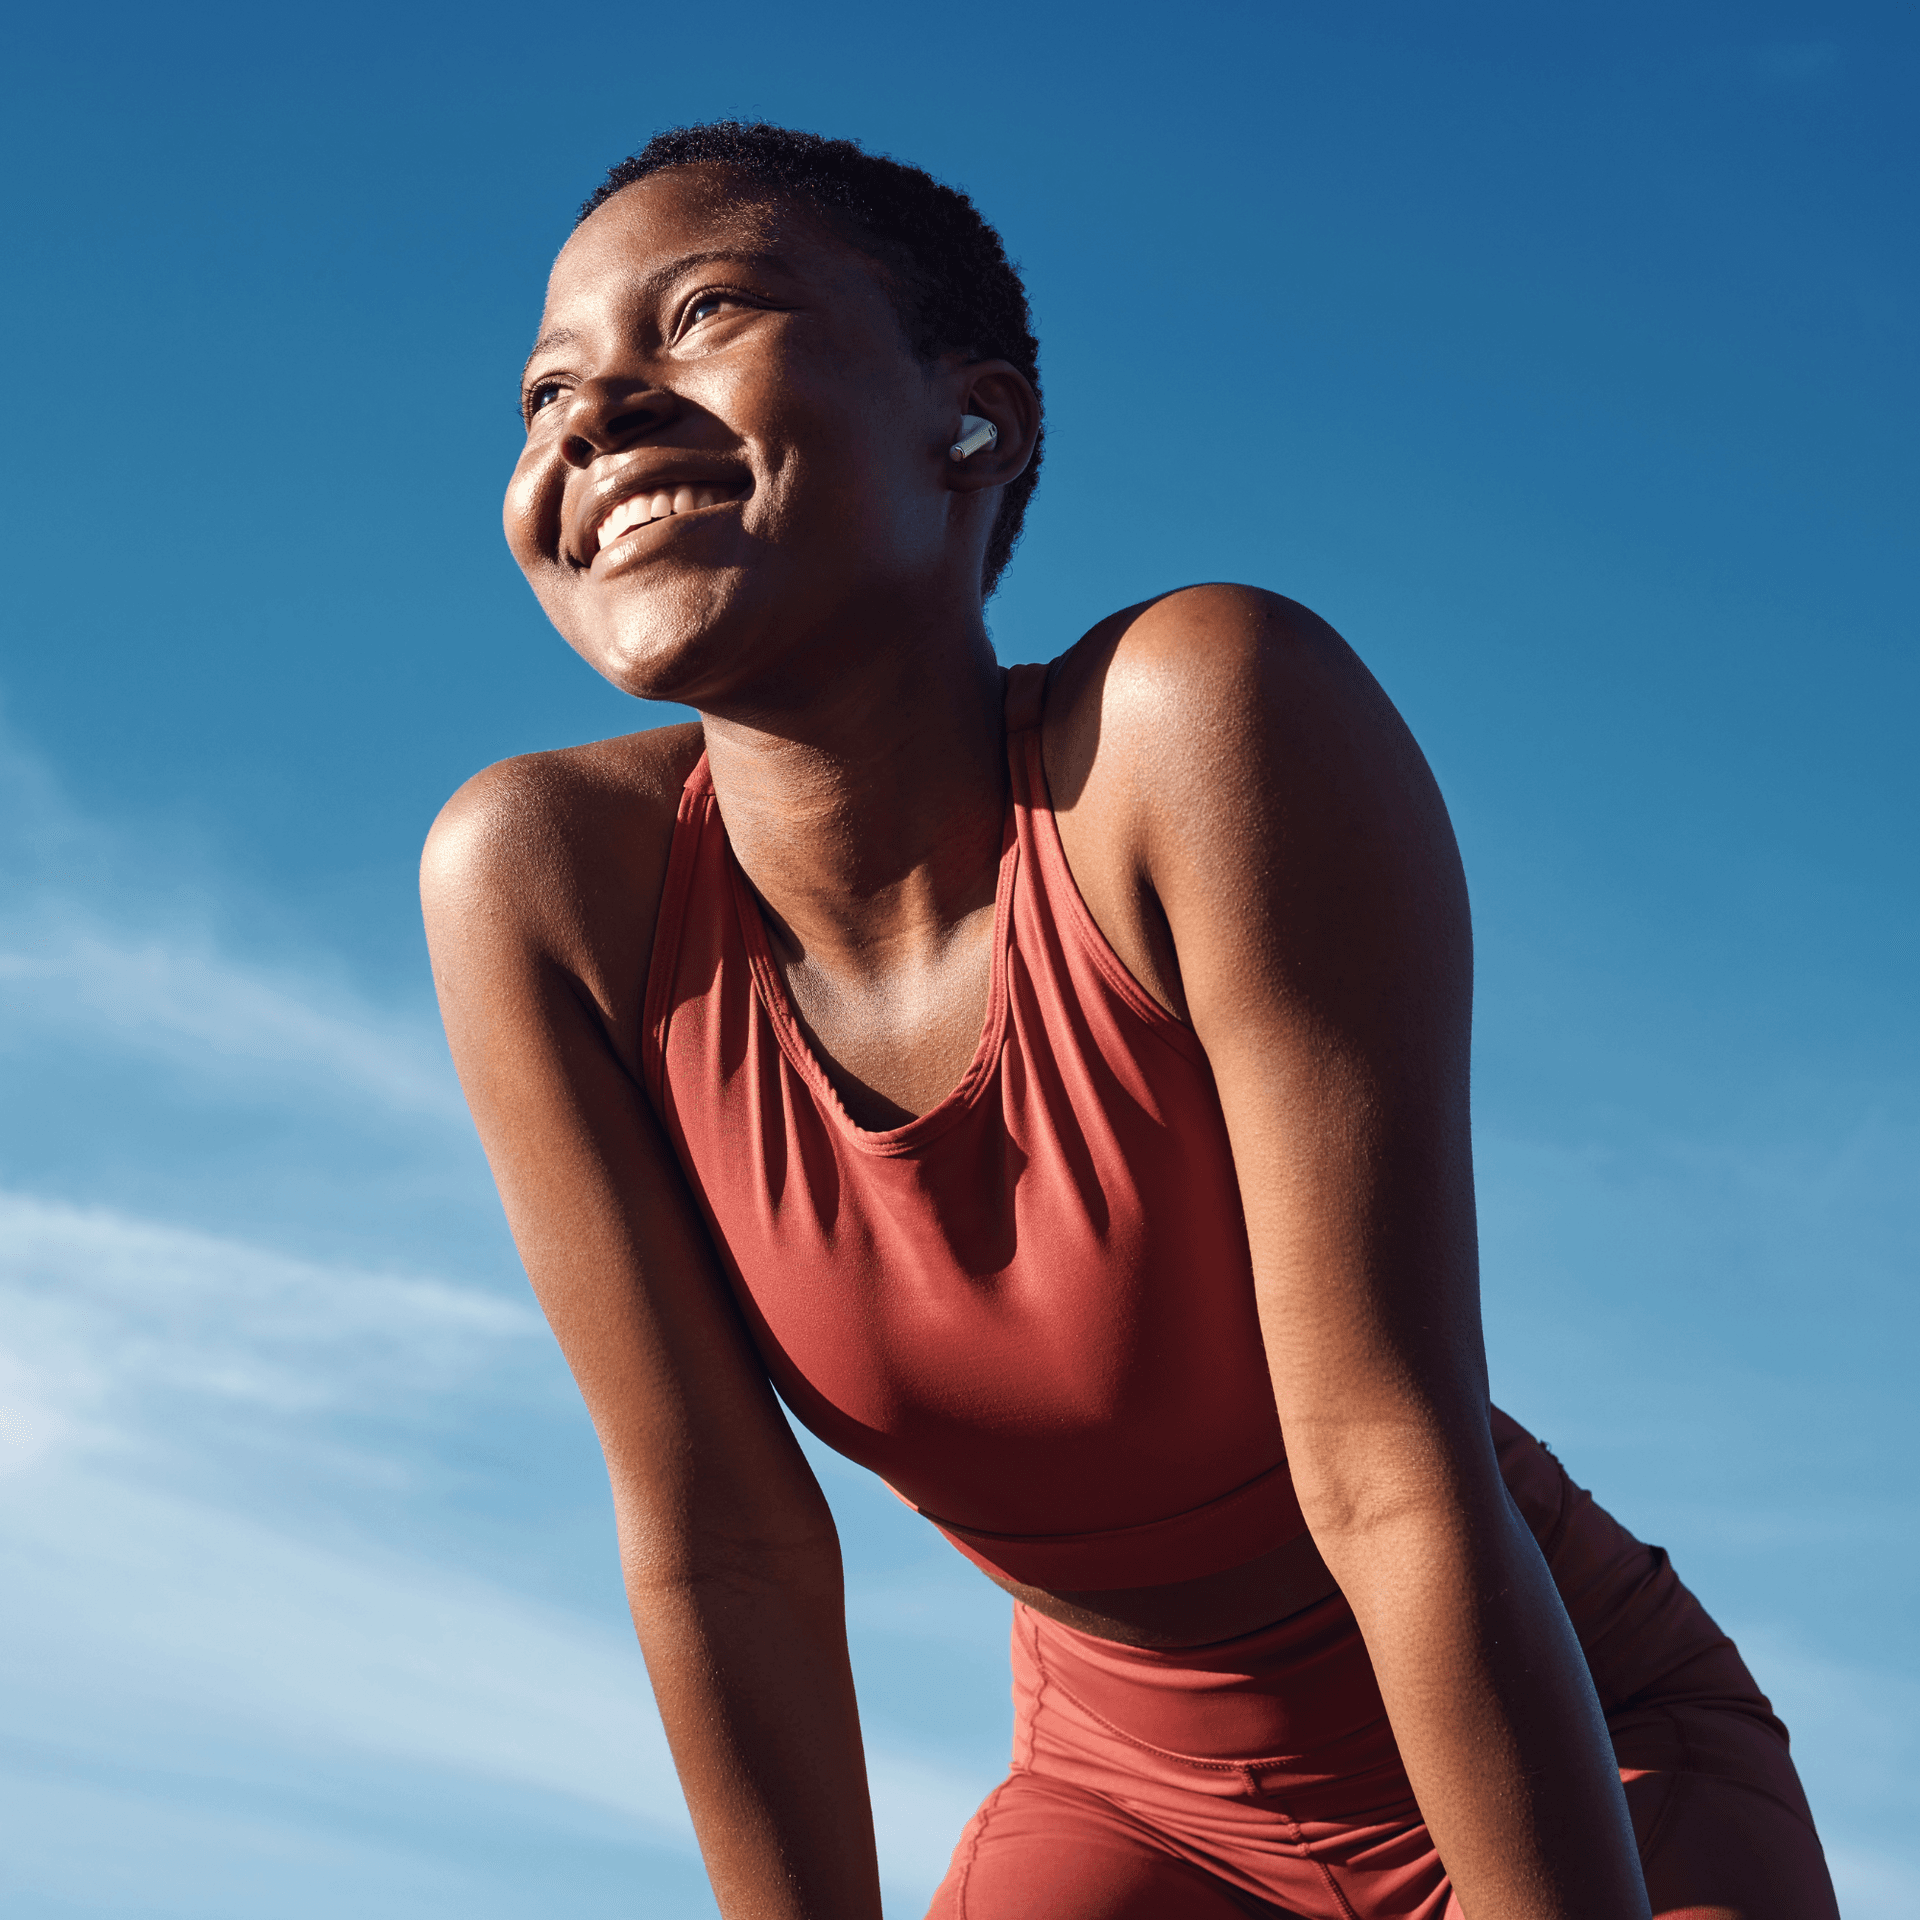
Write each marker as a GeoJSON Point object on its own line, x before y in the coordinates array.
{"type": "Point", "coordinates": [643, 509]}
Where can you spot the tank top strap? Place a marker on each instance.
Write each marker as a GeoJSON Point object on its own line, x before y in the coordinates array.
{"type": "Point", "coordinates": [697, 853]}
{"type": "Point", "coordinates": [1026, 697]}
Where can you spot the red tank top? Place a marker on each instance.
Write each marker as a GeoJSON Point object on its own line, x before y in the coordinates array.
{"type": "Point", "coordinates": [1030, 1310]}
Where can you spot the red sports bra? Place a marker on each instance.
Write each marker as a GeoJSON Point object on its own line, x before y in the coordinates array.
{"type": "Point", "coordinates": [1030, 1310]}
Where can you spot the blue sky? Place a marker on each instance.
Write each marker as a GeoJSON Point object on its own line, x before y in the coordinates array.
{"type": "Point", "coordinates": [1564, 358]}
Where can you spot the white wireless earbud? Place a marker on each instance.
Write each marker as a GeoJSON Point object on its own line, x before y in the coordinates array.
{"type": "Point", "coordinates": [975, 433]}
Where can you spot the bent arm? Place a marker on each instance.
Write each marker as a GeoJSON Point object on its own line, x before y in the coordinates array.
{"type": "Point", "coordinates": [1295, 841]}
{"type": "Point", "coordinates": [730, 1556]}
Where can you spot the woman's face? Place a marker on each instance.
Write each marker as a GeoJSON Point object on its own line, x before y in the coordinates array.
{"type": "Point", "coordinates": [733, 457]}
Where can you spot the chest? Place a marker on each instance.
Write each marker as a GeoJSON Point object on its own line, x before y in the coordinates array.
{"type": "Point", "coordinates": [1055, 1248]}
{"type": "Point", "coordinates": [1029, 1306]}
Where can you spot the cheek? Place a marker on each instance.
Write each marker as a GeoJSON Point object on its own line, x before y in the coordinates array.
{"type": "Point", "coordinates": [530, 513]}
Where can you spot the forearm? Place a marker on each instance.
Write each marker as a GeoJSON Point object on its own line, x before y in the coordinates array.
{"type": "Point", "coordinates": [1495, 1715]}
{"type": "Point", "coordinates": [749, 1665]}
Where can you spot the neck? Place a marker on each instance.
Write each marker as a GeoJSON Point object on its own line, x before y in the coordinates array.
{"type": "Point", "coordinates": [869, 817]}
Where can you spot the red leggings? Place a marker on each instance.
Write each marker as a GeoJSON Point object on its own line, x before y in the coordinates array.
{"type": "Point", "coordinates": [1258, 1776]}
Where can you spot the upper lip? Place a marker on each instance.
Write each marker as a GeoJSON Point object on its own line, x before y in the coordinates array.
{"type": "Point", "coordinates": [653, 472]}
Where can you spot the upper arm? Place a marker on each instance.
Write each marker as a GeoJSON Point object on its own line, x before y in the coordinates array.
{"type": "Point", "coordinates": [1289, 831]}
{"type": "Point", "coordinates": [539, 886]}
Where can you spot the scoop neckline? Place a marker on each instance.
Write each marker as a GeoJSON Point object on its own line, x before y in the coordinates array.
{"type": "Point", "coordinates": [785, 1020]}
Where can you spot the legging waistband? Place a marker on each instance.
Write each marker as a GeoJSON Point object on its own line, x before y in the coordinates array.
{"type": "Point", "coordinates": [1305, 1682]}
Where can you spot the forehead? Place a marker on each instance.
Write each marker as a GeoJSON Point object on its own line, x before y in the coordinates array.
{"type": "Point", "coordinates": [673, 219]}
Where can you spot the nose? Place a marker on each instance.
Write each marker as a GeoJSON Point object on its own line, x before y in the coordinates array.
{"type": "Point", "coordinates": [607, 416]}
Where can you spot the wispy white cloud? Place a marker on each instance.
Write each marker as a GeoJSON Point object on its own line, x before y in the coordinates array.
{"type": "Point", "coordinates": [241, 1626]}
{"type": "Point", "coordinates": [151, 1624]}
{"type": "Point", "coordinates": [104, 1312]}
{"type": "Point", "coordinates": [109, 945]}
{"type": "Point", "coordinates": [115, 1330]}
{"type": "Point", "coordinates": [191, 1418]}
{"type": "Point", "coordinates": [173, 996]}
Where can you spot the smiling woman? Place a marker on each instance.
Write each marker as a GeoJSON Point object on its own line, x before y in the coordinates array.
{"type": "Point", "coordinates": [1053, 1084]}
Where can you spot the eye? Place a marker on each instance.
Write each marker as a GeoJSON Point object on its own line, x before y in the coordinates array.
{"type": "Point", "coordinates": [539, 398]}
{"type": "Point", "coordinates": [710, 305]}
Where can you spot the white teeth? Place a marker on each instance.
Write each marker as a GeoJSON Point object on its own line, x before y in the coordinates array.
{"type": "Point", "coordinates": [644, 508]}
{"type": "Point", "coordinates": [628, 514]}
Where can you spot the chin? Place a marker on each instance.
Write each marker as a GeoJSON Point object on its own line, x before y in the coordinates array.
{"type": "Point", "coordinates": [681, 644]}
{"type": "Point", "coordinates": [651, 666]}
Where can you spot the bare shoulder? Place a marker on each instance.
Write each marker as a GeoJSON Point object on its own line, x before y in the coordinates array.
{"type": "Point", "coordinates": [562, 855]}
{"type": "Point", "coordinates": [1205, 674]}
{"type": "Point", "coordinates": [1213, 621]}
{"type": "Point", "coordinates": [541, 819]}
{"type": "Point", "coordinates": [1229, 696]}
{"type": "Point", "coordinates": [1222, 762]}
{"type": "Point", "coordinates": [577, 802]}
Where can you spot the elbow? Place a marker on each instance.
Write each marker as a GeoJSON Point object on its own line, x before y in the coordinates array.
{"type": "Point", "coordinates": [1406, 1489]}
{"type": "Point", "coordinates": [1345, 1513]}
{"type": "Point", "coordinates": [669, 1563]}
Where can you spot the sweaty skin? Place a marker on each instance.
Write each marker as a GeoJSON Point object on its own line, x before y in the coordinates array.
{"type": "Point", "coordinates": [818, 599]}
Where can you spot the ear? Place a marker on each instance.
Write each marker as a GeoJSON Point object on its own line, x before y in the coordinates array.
{"type": "Point", "coordinates": [998, 391]}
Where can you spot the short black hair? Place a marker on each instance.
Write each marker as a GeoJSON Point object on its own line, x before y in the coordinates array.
{"type": "Point", "coordinates": [948, 274]}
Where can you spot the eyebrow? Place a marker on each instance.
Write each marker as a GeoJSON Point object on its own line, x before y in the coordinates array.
{"type": "Point", "coordinates": [654, 284]}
